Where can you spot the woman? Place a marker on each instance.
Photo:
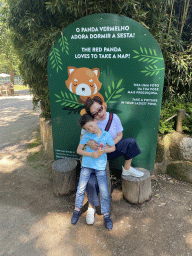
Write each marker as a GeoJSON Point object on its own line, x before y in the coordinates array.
{"type": "Point", "coordinates": [126, 147]}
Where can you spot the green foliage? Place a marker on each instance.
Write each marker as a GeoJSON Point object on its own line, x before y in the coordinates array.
{"type": "Point", "coordinates": [36, 24]}
{"type": "Point", "coordinates": [178, 78]}
{"type": "Point", "coordinates": [9, 60]}
{"type": "Point", "coordinates": [168, 110]}
{"type": "Point", "coordinates": [35, 143]}
{"type": "Point", "coordinates": [165, 25]}
{"type": "Point", "coordinates": [18, 87]}
{"type": "Point", "coordinates": [35, 30]}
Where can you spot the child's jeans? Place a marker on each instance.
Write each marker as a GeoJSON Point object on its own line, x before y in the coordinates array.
{"type": "Point", "coordinates": [126, 147]}
{"type": "Point", "coordinates": [102, 181]}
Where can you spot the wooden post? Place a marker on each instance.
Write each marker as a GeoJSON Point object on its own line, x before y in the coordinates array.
{"type": "Point", "coordinates": [180, 117]}
{"type": "Point", "coordinates": [137, 190]}
{"type": "Point", "coordinates": [64, 176]}
{"type": "Point", "coordinates": [108, 178]}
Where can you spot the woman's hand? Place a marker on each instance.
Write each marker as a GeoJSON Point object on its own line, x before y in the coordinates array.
{"type": "Point", "coordinates": [93, 145]}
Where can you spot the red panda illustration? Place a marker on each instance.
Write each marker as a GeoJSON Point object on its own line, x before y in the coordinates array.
{"type": "Point", "coordinates": [84, 82]}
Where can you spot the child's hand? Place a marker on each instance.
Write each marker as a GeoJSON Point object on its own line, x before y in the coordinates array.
{"type": "Point", "coordinates": [95, 154]}
{"type": "Point", "coordinates": [106, 146]}
{"type": "Point", "coordinates": [98, 153]}
{"type": "Point", "coordinates": [101, 151]}
{"type": "Point", "coordinates": [93, 144]}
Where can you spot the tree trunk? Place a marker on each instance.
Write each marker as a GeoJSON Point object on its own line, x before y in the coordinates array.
{"type": "Point", "coordinates": [137, 190]}
{"type": "Point", "coordinates": [11, 75]}
{"type": "Point", "coordinates": [64, 176]}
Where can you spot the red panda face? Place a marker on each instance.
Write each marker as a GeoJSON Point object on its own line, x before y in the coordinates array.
{"type": "Point", "coordinates": [83, 81]}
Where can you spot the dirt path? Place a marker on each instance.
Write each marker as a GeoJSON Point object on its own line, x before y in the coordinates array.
{"type": "Point", "coordinates": [34, 222]}
{"type": "Point", "coordinates": [17, 119]}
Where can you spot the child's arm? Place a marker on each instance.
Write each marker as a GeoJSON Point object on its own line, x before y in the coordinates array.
{"type": "Point", "coordinates": [107, 149]}
{"type": "Point", "coordinates": [82, 152]}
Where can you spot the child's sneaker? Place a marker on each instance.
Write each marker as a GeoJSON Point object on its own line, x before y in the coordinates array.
{"type": "Point", "coordinates": [75, 217]}
{"type": "Point", "coordinates": [108, 222]}
{"type": "Point", "coordinates": [90, 218]}
{"type": "Point", "coordinates": [132, 172]}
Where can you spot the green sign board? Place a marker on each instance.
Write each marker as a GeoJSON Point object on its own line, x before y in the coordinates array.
{"type": "Point", "coordinates": [118, 59]}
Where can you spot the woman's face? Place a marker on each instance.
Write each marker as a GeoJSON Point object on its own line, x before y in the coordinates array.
{"type": "Point", "coordinates": [98, 111]}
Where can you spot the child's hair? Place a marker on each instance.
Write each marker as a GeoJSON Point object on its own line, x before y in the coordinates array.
{"type": "Point", "coordinates": [85, 119]}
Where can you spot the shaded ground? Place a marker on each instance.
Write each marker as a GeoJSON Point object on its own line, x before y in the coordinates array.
{"type": "Point", "coordinates": [17, 119]}
{"type": "Point", "coordinates": [35, 222]}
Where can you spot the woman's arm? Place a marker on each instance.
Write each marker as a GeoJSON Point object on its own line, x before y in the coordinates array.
{"type": "Point", "coordinates": [118, 137]}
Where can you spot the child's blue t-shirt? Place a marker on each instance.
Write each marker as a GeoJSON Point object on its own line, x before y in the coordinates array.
{"type": "Point", "coordinates": [100, 162]}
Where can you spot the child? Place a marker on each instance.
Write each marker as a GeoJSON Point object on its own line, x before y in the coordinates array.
{"type": "Point", "coordinates": [94, 161]}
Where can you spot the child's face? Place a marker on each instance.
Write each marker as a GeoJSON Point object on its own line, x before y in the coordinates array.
{"type": "Point", "coordinates": [91, 127]}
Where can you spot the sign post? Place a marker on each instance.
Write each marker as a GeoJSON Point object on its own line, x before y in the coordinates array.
{"type": "Point", "coordinates": [118, 59]}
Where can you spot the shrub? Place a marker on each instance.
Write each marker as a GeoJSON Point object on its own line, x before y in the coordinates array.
{"type": "Point", "coordinates": [37, 24]}
{"type": "Point", "coordinates": [169, 109]}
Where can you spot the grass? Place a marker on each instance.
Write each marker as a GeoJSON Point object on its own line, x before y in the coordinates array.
{"type": "Point", "coordinates": [33, 148]}
{"type": "Point", "coordinates": [35, 156]}
{"type": "Point", "coordinates": [36, 142]}
{"type": "Point", "coordinates": [19, 87]}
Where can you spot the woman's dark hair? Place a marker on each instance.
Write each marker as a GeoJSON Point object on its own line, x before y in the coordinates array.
{"type": "Point", "coordinates": [89, 102]}
{"type": "Point", "coordinates": [85, 119]}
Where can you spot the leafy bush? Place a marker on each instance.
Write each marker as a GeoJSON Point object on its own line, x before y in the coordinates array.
{"type": "Point", "coordinates": [169, 109]}
{"type": "Point", "coordinates": [35, 25]}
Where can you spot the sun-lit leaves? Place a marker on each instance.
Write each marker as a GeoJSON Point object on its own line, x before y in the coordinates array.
{"type": "Point", "coordinates": [9, 60]}
{"type": "Point", "coordinates": [169, 109]}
